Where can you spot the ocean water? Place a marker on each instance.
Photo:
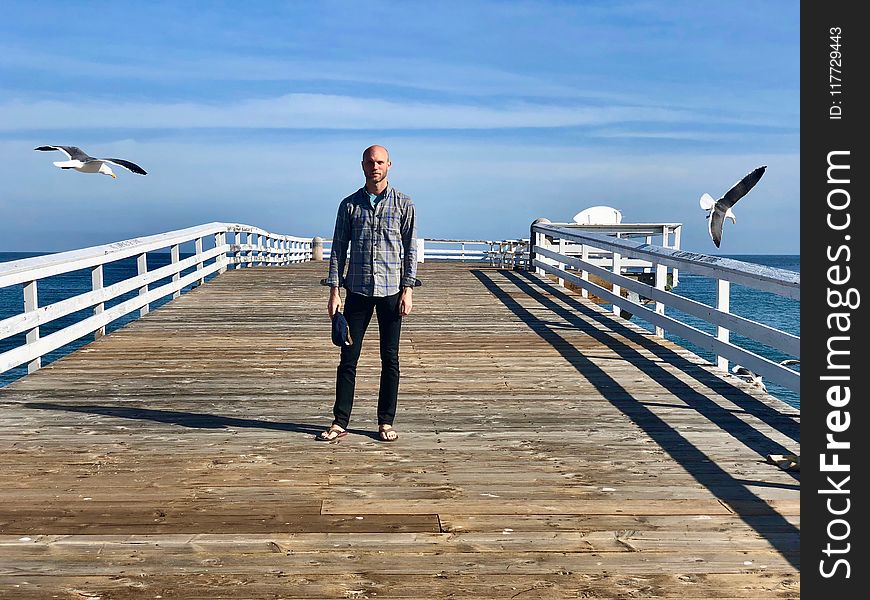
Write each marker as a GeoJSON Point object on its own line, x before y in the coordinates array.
{"type": "Point", "coordinates": [776, 311]}
{"type": "Point", "coordinates": [763, 307]}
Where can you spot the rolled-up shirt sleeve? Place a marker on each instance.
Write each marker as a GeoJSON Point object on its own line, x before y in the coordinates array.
{"type": "Point", "coordinates": [338, 252]}
{"type": "Point", "coordinates": [409, 245]}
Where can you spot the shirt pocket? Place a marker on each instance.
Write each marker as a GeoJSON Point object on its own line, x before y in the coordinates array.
{"type": "Point", "coordinates": [391, 225]}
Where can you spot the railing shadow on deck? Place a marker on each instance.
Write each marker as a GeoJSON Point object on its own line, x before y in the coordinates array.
{"type": "Point", "coordinates": [724, 418]}
{"type": "Point", "coordinates": [749, 404]}
{"type": "Point", "coordinates": [746, 504]}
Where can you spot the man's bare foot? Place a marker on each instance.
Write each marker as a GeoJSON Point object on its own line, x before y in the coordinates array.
{"type": "Point", "coordinates": [332, 434]}
{"type": "Point", "coordinates": [387, 433]}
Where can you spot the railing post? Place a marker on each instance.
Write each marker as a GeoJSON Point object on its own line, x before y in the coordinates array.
{"type": "Point", "coordinates": [536, 239]}
{"type": "Point", "coordinates": [617, 290]}
{"type": "Point", "coordinates": [261, 249]}
{"type": "Point", "coordinates": [561, 265]}
{"type": "Point", "coordinates": [142, 269]}
{"type": "Point", "coordinates": [31, 303]}
{"type": "Point", "coordinates": [263, 246]}
{"type": "Point", "coordinates": [421, 250]}
{"type": "Point", "coordinates": [584, 275]}
{"type": "Point", "coordinates": [661, 284]}
{"type": "Point", "coordinates": [723, 303]}
{"type": "Point", "coordinates": [175, 256]}
{"type": "Point", "coordinates": [97, 284]}
{"type": "Point", "coordinates": [219, 240]}
{"type": "Point", "coordinates": [674, 272]}
{"type": "Point", "coordinates": [199, 263]}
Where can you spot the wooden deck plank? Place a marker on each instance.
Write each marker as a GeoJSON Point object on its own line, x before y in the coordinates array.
{"type": "Point", "coordinates": [209, 586]}
{"type": "Point", "coordinates": [547, 449]}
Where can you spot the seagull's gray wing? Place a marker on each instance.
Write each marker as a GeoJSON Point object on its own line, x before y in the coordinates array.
{"type": "Point", "coordinates": [126, 164]}
{"type": "Point", "coordinates": [742, 187]}
{"type": "Point", "coordinates": [72, 152]}
{"type": "Point", "coordinates": [717, 219]}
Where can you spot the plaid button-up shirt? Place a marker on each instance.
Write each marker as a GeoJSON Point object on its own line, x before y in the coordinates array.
{"type": "Point", "coordinates": [382, 241]}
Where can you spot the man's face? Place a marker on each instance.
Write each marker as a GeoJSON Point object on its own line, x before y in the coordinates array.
{"type": "Point", "coordinates": [375, 164]}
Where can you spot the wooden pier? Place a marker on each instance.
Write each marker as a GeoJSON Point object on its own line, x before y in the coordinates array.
{"type": "Point", "coordinates": [547, 449]}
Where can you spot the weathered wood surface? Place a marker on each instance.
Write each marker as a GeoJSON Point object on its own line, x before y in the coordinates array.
{"type": "Point", "coordinates": [547, 450]}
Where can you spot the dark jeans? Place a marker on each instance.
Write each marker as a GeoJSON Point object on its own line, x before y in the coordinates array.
{"type": "Point", "coordinates": [358, 311]}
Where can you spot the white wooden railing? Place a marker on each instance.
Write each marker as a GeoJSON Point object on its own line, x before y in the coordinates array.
{"type": "Point", "coordinates": [503, 253]}
{"type": "Point", "coordinates": [664, 262]}
{"type": "Point", "coordinates": [248, 246]}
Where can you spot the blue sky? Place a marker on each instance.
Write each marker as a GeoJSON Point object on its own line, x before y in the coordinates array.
{"type": "Point", "coordinates": [495, 114]}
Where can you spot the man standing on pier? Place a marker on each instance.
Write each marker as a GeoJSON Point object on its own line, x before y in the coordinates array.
{"type": "Point", "coordinates": [378, 223]}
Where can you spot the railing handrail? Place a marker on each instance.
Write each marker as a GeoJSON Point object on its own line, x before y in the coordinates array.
{"type": "Point", "coordinates": [39, 267]}
{"type": "Point", "coordinates": [770, 279]}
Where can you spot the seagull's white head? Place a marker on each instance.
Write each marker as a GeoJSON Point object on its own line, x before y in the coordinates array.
{"type": "Point", "coordinates": [105, 170]}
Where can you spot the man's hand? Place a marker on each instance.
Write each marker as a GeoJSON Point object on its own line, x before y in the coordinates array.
{"type": "Point", "coordinates": [406, 301]}
{"type": "Point", "coordinates": [334, 302]}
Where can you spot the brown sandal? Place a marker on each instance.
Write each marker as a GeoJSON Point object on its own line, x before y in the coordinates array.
{"type": "Point", "coordinates": [387, 433]}
{"type": "Point", "coordinates": [332, 434]}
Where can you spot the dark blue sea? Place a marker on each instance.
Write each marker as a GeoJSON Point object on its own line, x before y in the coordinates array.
{"type": "Point", "coordinates": [763, 307]}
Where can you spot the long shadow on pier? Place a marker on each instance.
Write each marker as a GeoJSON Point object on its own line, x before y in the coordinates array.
{"type": "Point", "coordinates": [185, 419]}
{"type": "Point", "coordinates": [753, 510]}
{"type": "Point", "coordinates": [786, 425]}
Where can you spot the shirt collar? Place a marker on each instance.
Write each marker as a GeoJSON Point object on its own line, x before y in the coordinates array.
{"type": "Point", "coordinates": [363, 194]}
{"type": "Point", "coordinates": [384, 194]}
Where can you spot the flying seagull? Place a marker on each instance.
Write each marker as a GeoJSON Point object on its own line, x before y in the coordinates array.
{"type": "Point", "coordinates": [720, 209]}
{"type": "Point", "coordinates": [81, 162]}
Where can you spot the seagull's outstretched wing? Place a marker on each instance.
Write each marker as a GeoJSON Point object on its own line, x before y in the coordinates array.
{"type": "Point", "coordinates": [742, 187]}
{"type": "Point", "coordinates": [126, 164]}
{"type": "Point", "coordinates": [717, 219]}
{"type": "Point", "coordinates": [72, 152]}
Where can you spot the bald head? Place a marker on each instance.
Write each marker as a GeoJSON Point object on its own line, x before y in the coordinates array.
{"type": "Point", "coordinates": [376, 148]}
{"type": "Point", "coordinates": [375, 165]}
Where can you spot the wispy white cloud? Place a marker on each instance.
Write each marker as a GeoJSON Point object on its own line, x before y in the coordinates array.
{"type": "Point", "coordinates": [322, 111]}
{"type": "Point", "coordinates": [415, 74]}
